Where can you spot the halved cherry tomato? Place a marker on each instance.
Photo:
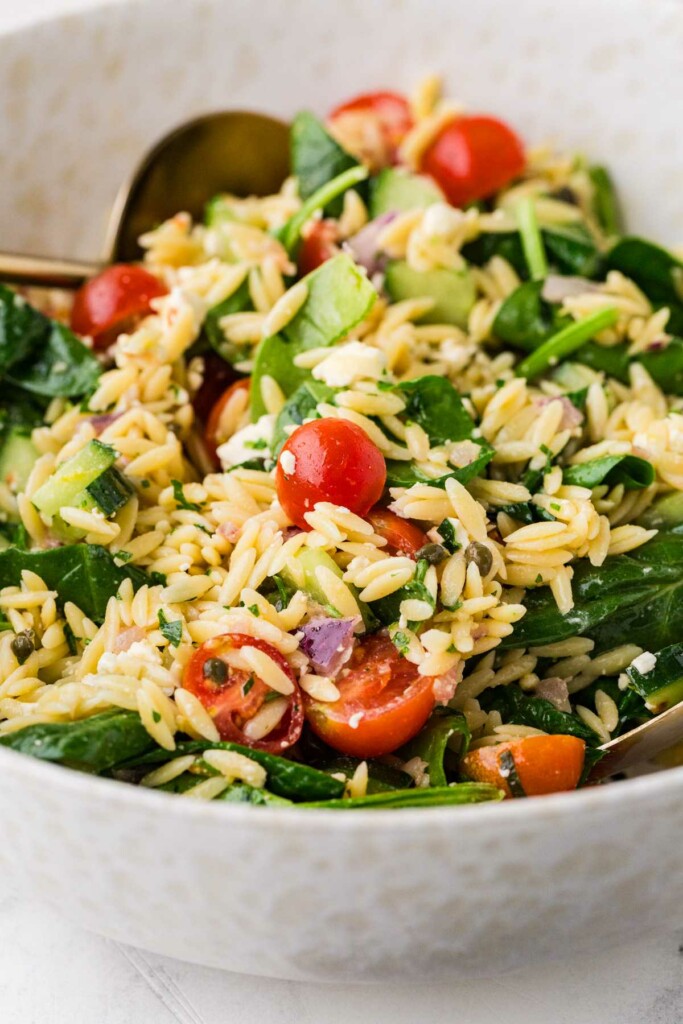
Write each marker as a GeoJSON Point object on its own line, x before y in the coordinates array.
{"type": "Point", "coordinates": [541, 764]}
{"type": "Point", "coordinates": [218, 374]}
{"type": "Point", "coordinates": [473, 157]}
{"type": "Point", "coordinates": [329, 460]}
{"type": "Point", "coordinates": [402, 535]}
{"type": "Point", "coordinates": [373, 125]}
{"type": "Point", "coordinates": [318, 244]}
{"type": "Point", "coordinates": [384, 702]}
{"type": "Point", "coordinates": [232, 696]}
{"type": "Point", "coordinates": [113, 301]}
{"type": "Point", "coordinates": [212, 434]}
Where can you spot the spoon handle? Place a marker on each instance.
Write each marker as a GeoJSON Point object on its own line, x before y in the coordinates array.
{"type": "Point", "coordinates": [640, 744]}
{"type": "Point", "coordinates": [45, 271]}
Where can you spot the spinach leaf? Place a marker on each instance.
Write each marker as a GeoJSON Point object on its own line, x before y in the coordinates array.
{"type": "Point", "coordinates": [606, 205]}
{"type": "Point", "coordinates": [405, 474]}
{"type": "Point", "coordinates": [526, 512]}
{"type": "Point", "coordinates": [568, 340]}
{"type": "Point", "coordinates": [285, 778]}
{"type": "Point", "coordinates": [92, 744]}
{"type": "Point", "coordinates": [432, 741]}
{"type": "Point", "coordinates": [237, 793]}
{"type": "Point", "coordinates": [290, 233]}
{"type": "Point", "coordinates": [459, 793]}
{"type": "Point", "coordinates": [238, 302]}
{"type": "Point", "coordinates": [301, 406]}
{"type": "Point", "coordinates": [570, 249]}
{"type": "Point", "coordinates": [316, 157]}
{"type": "Point", "coordinates": [525, 320]}
{"type": "Point", "coordinates": [665, 365]}
{"type": "Point", "coordinates": [41, 355]}
{"type": "Point", "coordinates": [662, 685]}
{"type": "Point", "coordinates": [635, 598]}
{"type": "Point", "coordinates": [387, 609]}
{"type": "Point", "coordinates": [655, 270]}
{"type": "Point", "coordinates": [19, 413]}
{"type": "Point", "coordinates": [520, 709]}
{"type": "Point", "coordinates": [85, 574]}
{"type": "Point", "coordinates": [339, 297]}
{"type": "Point", "coordinates": [630, 470]}
{"type": "Point", "coordinates": [381, 777]}
{"type": "Point", "coordinates": [437, 407]}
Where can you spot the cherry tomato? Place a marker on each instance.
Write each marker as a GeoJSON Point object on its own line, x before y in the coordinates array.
{"type": "Point", "coordinates": [218, 374]}
{"type": "Point", "coordinates": [402, 536]}
{"type": "Point", "coordinates": [319, 243]}
{"type": "Point", "coordinates": [329, 460]}
{"type": "Point", "coordinates": [373, 125]}
{"type": "Point", "coordinates": [232, 696]}
{"type": "Point", "coordinates": [383, 702]}
{"type": "Point", "coordinates": [542, 764]}
{"type": "Point", "coordinates": [212, 434]}
{"type": "Point", "coordinates": [113, 301]}
{"type": "Point", "coordinates": [473, 157]}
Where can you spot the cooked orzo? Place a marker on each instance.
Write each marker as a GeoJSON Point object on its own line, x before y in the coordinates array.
{"type": "Point", "coordinates": [367, 493]}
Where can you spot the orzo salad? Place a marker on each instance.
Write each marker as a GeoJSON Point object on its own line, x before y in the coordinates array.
{"type": "Point", "coordinates": [364, 494]}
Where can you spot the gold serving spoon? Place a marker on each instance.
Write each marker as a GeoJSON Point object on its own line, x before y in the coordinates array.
{"type": "Point", "coordinates": [640, 744]}
{"type": "Point", "coordinates": [236, 152]}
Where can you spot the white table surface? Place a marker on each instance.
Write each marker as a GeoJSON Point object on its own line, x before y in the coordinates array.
{"type": "Point", "coordinates": [54, 973]}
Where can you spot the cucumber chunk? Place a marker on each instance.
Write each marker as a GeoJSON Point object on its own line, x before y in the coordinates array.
{"type": "Point", "coordinates": [17, 458]}
{"type": "Point", "coordinates": [662, 686]}
{"type": "Point", "coordinates": [110, 491]}
{"type": "Point", "coordinates": [453, 291]}
{"type": "Point", "coordinates": [395, 190]}
{"type": "Point", "coordinates": [69, 481]}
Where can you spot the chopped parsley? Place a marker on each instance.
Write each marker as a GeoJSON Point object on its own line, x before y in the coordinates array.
{"type": "Point", "coordinates": [171, 630]}
{"type": "Point", "coordinates": [248, 686]}
{"type": "Point", "coordinates": [180, 499]}
{"type": "Point", "coordinates": [156, 716]}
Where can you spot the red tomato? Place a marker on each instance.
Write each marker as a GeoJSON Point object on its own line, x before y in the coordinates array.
{"type": "Point", "coordinates": [112, 301]}
{"type": "Point", "coordinates": [543, 764]}
{"type": "Point", "coordinates": [473, 157]}
{"type": "Point", "coordinates": [383, 702]}
{"type": "Point", "coordinates": [402, 536]}
{"type": "Point", "coordinates": [218, 374]}
{"type": "Point", "coordinates": [329, 460]}
{"type": "Point", "coordinates": [373, 125]}
{"type": "Point", "coordinates": [212, 434]}
{"type": "Point", "coordinates": [319, 243]}
{"type": "Point", "coordinates": [234, 700]}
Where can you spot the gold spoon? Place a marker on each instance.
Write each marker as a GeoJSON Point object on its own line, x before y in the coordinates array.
{"type": "Point", "coordinates": [236, 152]}
{"type": "Point", "coordinates": [640, 744]}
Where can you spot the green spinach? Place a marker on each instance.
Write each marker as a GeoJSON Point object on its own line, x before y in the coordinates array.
{"type": "Point", "coordinates": [93, 744]}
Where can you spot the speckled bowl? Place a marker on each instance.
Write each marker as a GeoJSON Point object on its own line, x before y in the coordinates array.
{"type": "Point", "coordinates": [410, 894]}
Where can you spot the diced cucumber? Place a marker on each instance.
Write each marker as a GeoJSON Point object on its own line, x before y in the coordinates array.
{"type": "Point", "coordinates": [453, 291]}
{"type": "Point", "coordinates": [69, 480]}
{"type": "Point", "coordinates": [662, 686]}
{"type": "Point", "coordinates": [396, 190]}
{"type": "Point", "coordinates": [110, 491]}
{"type": "Point", "coordinates": [217, 211]}
{"type": "Point", "coordinates": [665, 514]}
{"type": "Point", "coordinates": [17, 458]}
{"type": "Point", "coordinates": [310, 560]}
{"type": "Point", "coordinates": [575, 377]}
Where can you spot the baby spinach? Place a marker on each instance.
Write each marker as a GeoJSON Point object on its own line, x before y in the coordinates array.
{"type": "Point", "coordinates": [93, 744]}
{"type": "Point", "coordinates": [606, 206]}
{"type": "Point", "coordinates": [525, 320]}
{"type": "Point", "coordinates": [301, 406]}
{"type": "Point", "coordinates": [236, 793]}
{"type": "Point", "coordinates": [664, 365]}
{"type": "Point", "coordinates": [630, 470]}
{"type": "Point", "coordinates": [316, 157]}
{"type": "Point", "coordinates": [432, 742]}
{"type": "Point", "coordinates": [405, 474]}
{"type": "Point", "coordinates": [238, 302]}
{"type": "Point", "coordinates": [437, 407]}
{"type": "Point", "coordinates": [566, 342]}
{"type": "Point", "coordinates": [339, 297]}
{"type": "Point", "coordinates": [85, 574]}
{"type": "Point", "coordinates": [526, 512]}
{"type": "Point", "coordinates": [381, 777]}
{"type": "Point", "coordinates": [285, 778]}
{"type": "Point", "coordinates": [325, 196]}
{"type": "Point", "coordinates": [171, 629]}
{"type": "Point", "coordinates": [520, 709]}
{"type": "Point", "coordinates": [459, 793]}
{"type": "Point", "coordinates": [570, 249]}
{"type": "Point", "coordinates": [655, 270]}
{"type": "Point", "coordinates": [40, 355]}
{"type": "Point", "coordinates": [635, 598]}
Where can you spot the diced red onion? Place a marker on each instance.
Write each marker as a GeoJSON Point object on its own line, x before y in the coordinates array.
{"type": "Point", "coordinates": [100, 423]}
{"type": "Point", "coordinates": [127, 638]}
{"type": "Point", "coordinates": [363, 245]}
{"type": "Point", "coordinates": [328, 643]}
{"type": "Point", "coordinates": [571, 416]}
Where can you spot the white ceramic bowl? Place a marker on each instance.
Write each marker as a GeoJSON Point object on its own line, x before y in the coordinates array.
{"type": "Point", "coordinates": [421, 894]}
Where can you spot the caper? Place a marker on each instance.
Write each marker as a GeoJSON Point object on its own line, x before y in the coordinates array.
{"type": "Point", "coordinates": [481, 555]}
{"type": "Point", "coordinates": [23, 645]}
{"type": "Point", "coordinates": [433, 553]}
{"type": "Point", "coordinates": [565, 195]}
{"type": "Point", "coordinates": [215, 670]}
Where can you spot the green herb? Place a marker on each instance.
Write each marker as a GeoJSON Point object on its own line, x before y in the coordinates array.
{"type": "Point", "coordinates": [156, 717]}
{"type": "Point", "coordinates": [532, 241]}
{"type": "Point", "coordinates": [171, 630]}
{"type": "Point", "coordinates": [70, 638]}
{"type": "Point", "coordinates": [447, 530]}
{"type": "Point", "coordinates": [248, 686]}
{"type": "Point", "coordinates": [321, 198]}
{"type": "Point", "coordinates": [567, 341]}
{"type": "Point", "coordinates": [180, 499]}
{"type": "Point", "coordinates": [400, 641]}
{"type": "Point", "coordinates": [258, 444]}
{"type": "Point", "coordinates": [254, 609]}
{"type": "Point", "coordinates": [122, 556]}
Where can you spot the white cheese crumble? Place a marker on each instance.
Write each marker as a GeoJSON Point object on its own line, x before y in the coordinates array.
{"type": "Point", "coordinates": [644, 663]}
{"type": "Point", "coordinates": [350, 362]}
{"type": "Point", "coordinates": [288, 463]}
{"type": "Point", "coordinates": [252, 442]}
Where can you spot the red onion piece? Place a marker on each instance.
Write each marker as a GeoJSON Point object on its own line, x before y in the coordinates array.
{"type": "Point", "coordinates": [328, 643]}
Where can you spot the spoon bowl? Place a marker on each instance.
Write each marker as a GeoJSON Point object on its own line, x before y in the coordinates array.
{"type": "Point", "coordinates": [229, 151]}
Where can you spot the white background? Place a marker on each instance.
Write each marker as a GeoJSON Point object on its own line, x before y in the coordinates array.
{"type": "Point", "coordinates": [53, 973]}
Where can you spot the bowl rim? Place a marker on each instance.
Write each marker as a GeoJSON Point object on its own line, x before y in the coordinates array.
{"type": "Point", "coordinates": [664, 782]}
